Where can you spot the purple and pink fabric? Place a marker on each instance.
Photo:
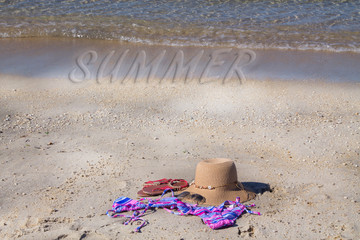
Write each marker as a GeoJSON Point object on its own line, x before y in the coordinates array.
{"type": "Point", "coordinates": [221, 216]}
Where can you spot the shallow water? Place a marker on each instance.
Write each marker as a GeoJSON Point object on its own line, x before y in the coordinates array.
{"type": "Point", "coordinates": [291, 24]}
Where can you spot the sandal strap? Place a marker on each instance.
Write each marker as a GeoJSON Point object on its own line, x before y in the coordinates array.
{"type": "Point", "coordinates": [157, 182]}
{"type": "Point", "coordinates": [167, 187]}
{"type": "Point", "coordinates": [186, 184]}
{"type": "Point", "coordinates": [161, 188]}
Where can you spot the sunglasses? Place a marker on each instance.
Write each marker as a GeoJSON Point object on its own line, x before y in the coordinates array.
{"type": "Point", "coordinates": [197, 198]}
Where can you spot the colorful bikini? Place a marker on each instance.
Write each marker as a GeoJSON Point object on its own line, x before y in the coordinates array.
{"type": "Point", "coordinates": [221, 216]}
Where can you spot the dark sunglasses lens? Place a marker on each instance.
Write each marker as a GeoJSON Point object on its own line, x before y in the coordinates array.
{"type": "Point", "coordinates": [183, 195]}
{"type": "Point", "coordinates": [198, 198]}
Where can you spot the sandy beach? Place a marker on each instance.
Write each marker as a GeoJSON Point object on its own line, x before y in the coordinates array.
{"type": "Point", "coordinates": [66, 154]}
{"type": "Point", "coordinates": [99, 97]}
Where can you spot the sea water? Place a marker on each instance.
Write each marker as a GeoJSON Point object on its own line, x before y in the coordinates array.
{"type": "Point", "coordinates": [290, 39]}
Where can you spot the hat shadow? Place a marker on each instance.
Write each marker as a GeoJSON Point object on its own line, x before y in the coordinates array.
{"type": "Point", "coordinates": [257, 187]}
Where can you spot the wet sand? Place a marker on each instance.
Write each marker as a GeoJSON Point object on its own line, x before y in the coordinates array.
{"type": "Point", "coordinates": [99, 61]}
{"type": "Point", "coordinates": [68, 150]}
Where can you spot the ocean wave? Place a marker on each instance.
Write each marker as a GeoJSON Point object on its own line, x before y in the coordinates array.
{"type": "Point", "coordinates": [258, 24]}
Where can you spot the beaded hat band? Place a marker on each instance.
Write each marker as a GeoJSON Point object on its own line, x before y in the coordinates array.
{"type": "Point", "coordinates": [237, 184]}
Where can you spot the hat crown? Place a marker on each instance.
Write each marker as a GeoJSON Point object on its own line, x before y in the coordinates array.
{"type": "Point", "coordinates": [215, 172]}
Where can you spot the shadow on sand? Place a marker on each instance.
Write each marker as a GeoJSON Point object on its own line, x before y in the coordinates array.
{"type": "Point", "coordinates": [257, 187]}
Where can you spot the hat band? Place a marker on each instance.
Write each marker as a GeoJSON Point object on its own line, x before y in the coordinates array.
{"type": "Point", "coordinates": [241, 187]}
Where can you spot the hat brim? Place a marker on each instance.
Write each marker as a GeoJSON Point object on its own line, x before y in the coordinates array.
{"type": "Point", "coordinates": [217, 196]}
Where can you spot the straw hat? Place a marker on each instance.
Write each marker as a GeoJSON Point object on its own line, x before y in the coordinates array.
{"type": "Point", "coordinates": [216, 180]}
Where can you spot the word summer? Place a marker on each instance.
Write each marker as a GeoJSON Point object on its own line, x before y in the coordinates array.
{"type": "Point", "coordinates": [185, 65]}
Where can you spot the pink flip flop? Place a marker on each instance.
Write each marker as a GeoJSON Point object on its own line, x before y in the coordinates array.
{"type": "Point", "coordinates": [158, 189]}
{"type": "Point", "coordinates": [152, 183]}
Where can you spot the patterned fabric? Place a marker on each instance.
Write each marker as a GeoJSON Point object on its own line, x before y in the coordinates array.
{"type": "Point", "coordinates": [221, 216]}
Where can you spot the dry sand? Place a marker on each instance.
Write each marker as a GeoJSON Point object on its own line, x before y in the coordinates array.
{"type": "Point", "coordinates": [66, 154]}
